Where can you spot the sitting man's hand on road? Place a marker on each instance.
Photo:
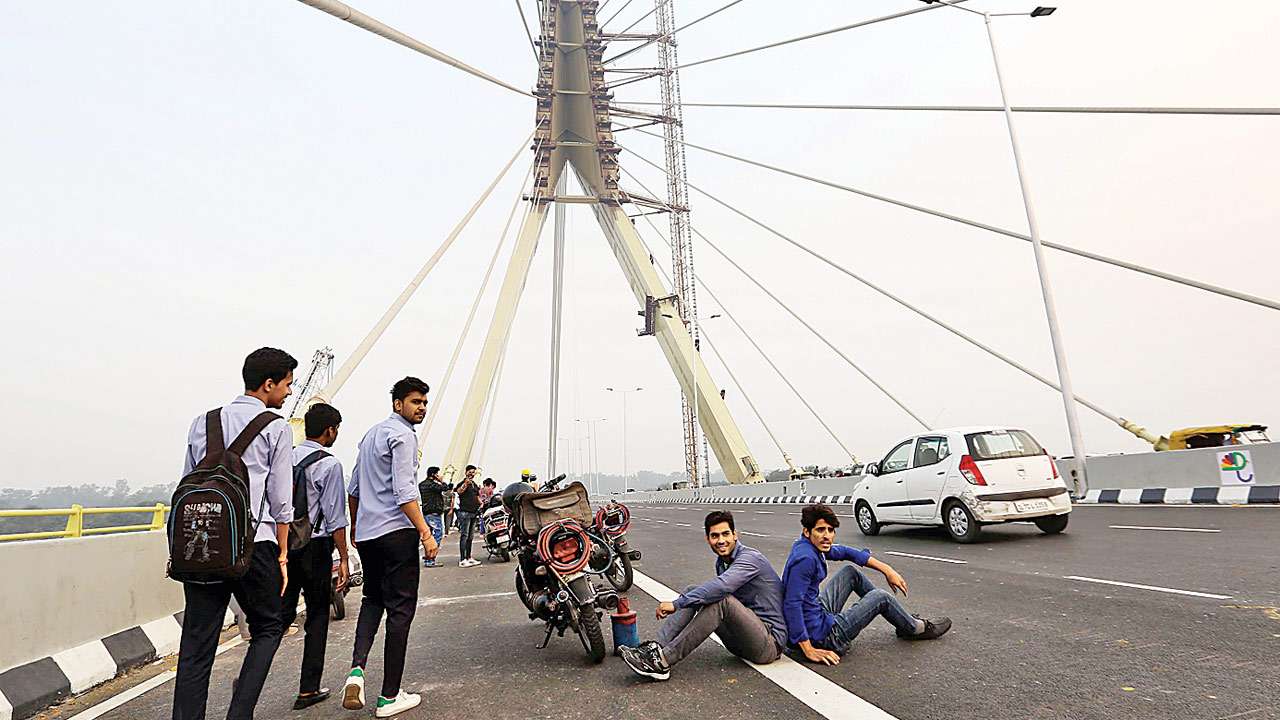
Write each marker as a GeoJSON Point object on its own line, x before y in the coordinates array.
{"type": "Point", "coordinates": [818, 655]}
{"type": "Point", "coordinates": [665, 609]}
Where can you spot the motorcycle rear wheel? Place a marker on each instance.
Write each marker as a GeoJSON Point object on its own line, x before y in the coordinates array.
{"type": "Point", "coordinates": [523, 591]}
{"type": "Point", "coordinates": [620, 575]}
{"type": "Point", "coordinates": [339, 602]}
{"type": "Point", "coordinates": [591, 635]}
{"type": "Point", "coordinates": [504, 555]}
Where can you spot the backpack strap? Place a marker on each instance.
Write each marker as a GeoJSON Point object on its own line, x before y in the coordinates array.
{"type": "Point", "coordinates": [251, 431]}
{"type": "Point", "coordinates": [214, 444]}
{"type": "Point", "coordinates": [307, 462]}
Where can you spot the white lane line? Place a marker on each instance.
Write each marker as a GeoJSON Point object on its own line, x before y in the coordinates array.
{"type": "Point", "coordinates": [744, 532]}
{"type": "Point", "coordinates": [1169, 529]}
{"type": "Point", "coordinates": [462, 598]}
{"type": "Point", "coordinates": [683, 524]}
{"type": "Point", "coordinates": [141, 689]}
{"type": "Point", "coordinates": [825, 697]}
{"type": "Point", "coordinates": [664, 522]}
{"type": "Point", "coordinates": [926, 557]}
{"type": "Point", "coordinates": [1148, 587]}
{"type": "Point", "coordinates": [764, 512]}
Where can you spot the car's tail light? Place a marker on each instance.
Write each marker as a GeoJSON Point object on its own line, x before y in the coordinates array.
{"type": "Point", "coordinates": [1054, 465]}
{"type": "Point", "coordinates": [565, 551]}
{"type": "Point", "coordinates": [969, 469]}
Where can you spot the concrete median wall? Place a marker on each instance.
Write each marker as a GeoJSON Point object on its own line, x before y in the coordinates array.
{"type": "Point", "coordinates": [60, 594]}
{"type": "Point", "coordinates": [1180, 468]}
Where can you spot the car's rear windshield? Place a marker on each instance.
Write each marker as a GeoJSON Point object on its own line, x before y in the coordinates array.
{"type": "Point", "coordinates": [998, 444]}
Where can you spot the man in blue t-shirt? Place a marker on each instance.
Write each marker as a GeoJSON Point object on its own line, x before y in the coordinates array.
{"type": "Point", "coordinates": [818, 623]}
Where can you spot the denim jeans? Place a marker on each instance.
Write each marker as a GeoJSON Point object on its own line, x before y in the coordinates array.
{"type": "Point", "coordinates": [872, 603]}
{"type": "Point", "coordinates": [435, 521]}
{"type": "Point", "coordinates": [743, 632]}
{"type": "Point", "coordinates": [466, 525]}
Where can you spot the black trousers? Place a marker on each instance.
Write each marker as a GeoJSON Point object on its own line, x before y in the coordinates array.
{"type": "Point", "coordinates": [311, 575]}
{"type": "Point", "coordinates": [391, 572]}
{"type": "Point", "coordinates": [258, 593]}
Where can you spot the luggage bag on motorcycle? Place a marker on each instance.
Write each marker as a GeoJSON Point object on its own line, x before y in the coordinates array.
{"type": "Point", "coordinates": [537, 510]}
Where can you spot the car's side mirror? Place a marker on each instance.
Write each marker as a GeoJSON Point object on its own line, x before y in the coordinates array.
{"type": "Point", "coordinates": [872, 469]}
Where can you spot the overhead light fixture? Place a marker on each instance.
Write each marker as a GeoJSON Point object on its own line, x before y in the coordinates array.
{"type": "Point", "coordinates": [1042, 11]}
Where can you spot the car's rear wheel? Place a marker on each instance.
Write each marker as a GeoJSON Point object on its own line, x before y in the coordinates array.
{"type": "Point", "coordinates": [960, 523]}
{"type": "Point", "coordinates": [1052, 524]}
{"type": "Point", "coordinates": [867, 522]}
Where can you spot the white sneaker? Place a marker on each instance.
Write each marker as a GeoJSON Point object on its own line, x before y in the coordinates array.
{"type": "Point", "coordinates": [353, 692]}
{"type": "Point", "coordinates": [472, 562]}
{"type": "Point", "coordinates": [402, 701]}
{"type": "Point", "coordinates": [463, 563]}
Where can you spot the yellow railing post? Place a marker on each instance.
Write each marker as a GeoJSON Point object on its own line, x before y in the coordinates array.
{"type": "Point", "coordinates": [157, 520]}
{"type": "Point", "coordinates": [75, 521]}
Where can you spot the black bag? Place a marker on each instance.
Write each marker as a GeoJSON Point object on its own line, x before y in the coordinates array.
{"type": "Point", "coordinates": [210, 528]}
{"type": "Point", "coordinates": [301, 529]}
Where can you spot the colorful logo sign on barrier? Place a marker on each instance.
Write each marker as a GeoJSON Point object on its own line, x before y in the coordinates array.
{"type": "Point", "coordinates": [1235, 467]}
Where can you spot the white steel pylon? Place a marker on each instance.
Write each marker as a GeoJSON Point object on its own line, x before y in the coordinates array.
{"type": "Point", "coordinates": [574, 131]}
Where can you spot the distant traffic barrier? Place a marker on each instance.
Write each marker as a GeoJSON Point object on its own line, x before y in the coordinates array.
{"type": "Point", "coordinates": [75, 521]}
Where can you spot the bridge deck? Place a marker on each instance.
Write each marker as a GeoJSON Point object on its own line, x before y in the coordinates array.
{"type": "Point", "coordinates": [1027, 641]}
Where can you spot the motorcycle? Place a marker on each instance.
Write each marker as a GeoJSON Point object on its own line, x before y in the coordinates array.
{"type": "Point", "coordinates": [497, 532]}
{"type": "Point", "coordinates": [553, 550]}
{"type": "Point", "coordinates": [610, 556]}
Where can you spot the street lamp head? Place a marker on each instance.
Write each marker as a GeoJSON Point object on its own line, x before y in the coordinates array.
{"type": "Point", "coordinates": [1042, 11]}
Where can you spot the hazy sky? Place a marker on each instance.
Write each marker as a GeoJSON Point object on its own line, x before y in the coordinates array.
{"type": "Point", "coordinates": [184, 182]}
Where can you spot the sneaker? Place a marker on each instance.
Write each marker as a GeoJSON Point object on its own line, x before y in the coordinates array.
{"type": "Point", "coordinates": [932, 629]}
{"type": "Point", "coordinates": [353, 692]}
{"type": "Point", "coordinates": [472, 562]}
{"type": "Point", "coordinates": [428, 563]}
{"type": "Point", "coordinates": [394, 706]}
{"type": "Point", "coordinates": [646, 660]}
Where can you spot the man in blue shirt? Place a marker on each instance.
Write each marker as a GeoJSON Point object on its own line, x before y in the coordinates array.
{"type": "Point", "coordinates": [311, 566]}
{"type": "Point", "coordinates": [387, 527]}
{"type": "Point", "coordinates": [818, 623]}
{"type": "Point", "coordinates": [742, 604]}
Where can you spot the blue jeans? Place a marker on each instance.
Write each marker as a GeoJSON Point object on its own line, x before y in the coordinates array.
{"type": "Point", "coordinates": [872, 603]}
{"type": "Point", "coordinates": [435, 521]}
{"type": "Point", "coordinates": [466, 526]}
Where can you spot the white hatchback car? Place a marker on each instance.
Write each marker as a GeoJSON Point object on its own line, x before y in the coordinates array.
{"type": "Point", "coordinates": [962, 479]}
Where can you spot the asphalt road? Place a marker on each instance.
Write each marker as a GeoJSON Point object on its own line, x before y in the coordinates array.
{"type": "Point", "coordinates": [1027, 642]}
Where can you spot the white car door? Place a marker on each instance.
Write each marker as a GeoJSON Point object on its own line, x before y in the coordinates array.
{"type": "Point", "coordinates": [890, 487]}
{"type": "Point", "coordinates": [928, 474]}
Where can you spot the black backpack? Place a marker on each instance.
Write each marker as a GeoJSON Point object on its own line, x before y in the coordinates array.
{"type": "Point", "coordinates": [301, 529]}
{"type": "Point", "coordinates": [211, 530]}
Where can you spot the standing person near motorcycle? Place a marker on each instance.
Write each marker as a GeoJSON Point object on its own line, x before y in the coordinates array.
{"type": "Point", "coordinates": [742, 604]}
{"type": "Point", "coordinates": [487, 490]}
{"type": "Point", "coordinates": [387, 526]}
{"type": "Point", "coordinates": [468, 506]}
{"type": "Point", "coordinates": [432, 491]}
{"type": "Point", "coordinates": [311, 566]}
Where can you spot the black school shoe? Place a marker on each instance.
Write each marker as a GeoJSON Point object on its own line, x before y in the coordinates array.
{"type": "Point", "coordinates": [305, 701]}
{"type": "Point", "coordinates": [646, 660]}
{"type": "Point", "coordinates": [932, 629]}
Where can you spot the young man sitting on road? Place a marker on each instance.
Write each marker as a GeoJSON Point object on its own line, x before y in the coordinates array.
{"type": "Point", "coordinates": [742, 604]}
{"type": "Point", "coordinates": [818, 623]}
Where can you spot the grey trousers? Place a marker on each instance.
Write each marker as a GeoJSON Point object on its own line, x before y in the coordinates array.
{"type": "Point", "coordinates": [742, 632]}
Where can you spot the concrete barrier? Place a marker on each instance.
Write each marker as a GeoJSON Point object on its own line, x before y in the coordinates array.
{"type": "Point", "coordinates": [64, 593]}
{"type": "Point", "coordinates": [1180, 468]}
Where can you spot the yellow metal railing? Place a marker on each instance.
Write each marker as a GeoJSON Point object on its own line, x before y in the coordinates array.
{"type": "Point", "coordinates": [75, 521]}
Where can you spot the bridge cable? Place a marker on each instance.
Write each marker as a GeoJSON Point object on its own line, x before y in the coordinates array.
{"type": "Point", "coordinates": [340, 378]}
{"type": "Point", "coordinates": [342, 11]}
{"type": "Point", "coordinates": [438, 400]}
{"type": "Point", "coordinates": [689, 24]}
{"type": "Point", "coordinates": [724, 308]}
{"type": "Point", "coordinates": [611, 17]}
{"type": "Point", "coordinates": [794, 314]}
{"type": "Point", "coordinates": [524, 23]}
{"type": "Point", "coordinates": [958, 333]}
{"type": "Point", "coordinates": [988, 108]}
{"type": "Point", "coordinates": [1207, 287]}
{"type": "Point", "coordinates": [658, 5]}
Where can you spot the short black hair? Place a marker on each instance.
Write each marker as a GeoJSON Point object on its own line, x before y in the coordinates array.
{"type": "Point", "coordinates": [433, 470]}
{"type": "Point", "coordinates": [715, 517]}
{"type": "Point", "coordinates": [321, 417]}
{"type": "Point", "coordinates": [472, 467]}
{"type": "Point", "coordinates": [266, 364]}
{"type": "Point", "coordinates": [489, 481]}
{"type": "Point", "coordinates": [403, 387]}
{"type": "Point", "coordinates": [811, 514]}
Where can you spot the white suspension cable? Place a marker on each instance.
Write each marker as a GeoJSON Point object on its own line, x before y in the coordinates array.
{"type": "Point", "coordinates": [438, 400]}
{"type": "Point", "coordinates": [524, 23]}
{"type": "Point", "coordinates": [989, 108]}
{"type": "Point", "coordinates": [342, 11]}
{"type": "Point", "coordinates": [644, 16]}
{"type": "Point", "coordinates": [1179, 279]}
{"type": "Point", "coordinates": [340, 378]}
{"type": "Point", "coordinates": [611, 17]}
{"type": "Point", "coordinates": [989, 350]}
{"type": "Point", "coordinates": [689, 24]}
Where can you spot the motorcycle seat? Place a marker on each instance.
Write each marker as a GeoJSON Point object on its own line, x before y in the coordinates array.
{"type": "Point", "coordinates": [537, 510]}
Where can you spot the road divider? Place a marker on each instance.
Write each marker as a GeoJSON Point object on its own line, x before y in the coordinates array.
{"type": "Point", "coordinates": [1153, 588]}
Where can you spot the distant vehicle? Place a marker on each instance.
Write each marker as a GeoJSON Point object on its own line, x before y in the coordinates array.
{"type": "Point", "coordinates": [962, 479]}
{"type": "Point", "coordinates": [1216, 436]}
{"type": "Point", "coordinates": [339, 599]}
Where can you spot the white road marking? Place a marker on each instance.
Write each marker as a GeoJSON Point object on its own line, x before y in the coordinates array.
{"type": "Point", "coordinates": [141, 689]}
{"type": "Point", "coordinates": [1149, 587]}
{"type": "Point", "coordinates": [664, 522]}
{"type": "Point", "coordinates": [825, 697]}
{"type": "Point", "coordinates": [926, 557]}
{"type": "Point", "coordinates": [683, 524]}
{"type": "Point", "coordinates": [1170, 529]}
{"type": "Point", "coordinates": [744, 532]}
{"type": "Point", "coordinates": [462, 598]}
{"type": "Point", "coordinates": [764, 512]}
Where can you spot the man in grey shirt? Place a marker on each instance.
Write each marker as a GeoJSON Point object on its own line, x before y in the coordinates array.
{"type": "Point", "coordinates": [742, 604]}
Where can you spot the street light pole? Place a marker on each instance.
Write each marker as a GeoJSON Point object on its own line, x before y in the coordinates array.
{"type": "Point", "coordinates": [1046, 289]}
{"type": "Point", "coordinates": [626, 479]}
